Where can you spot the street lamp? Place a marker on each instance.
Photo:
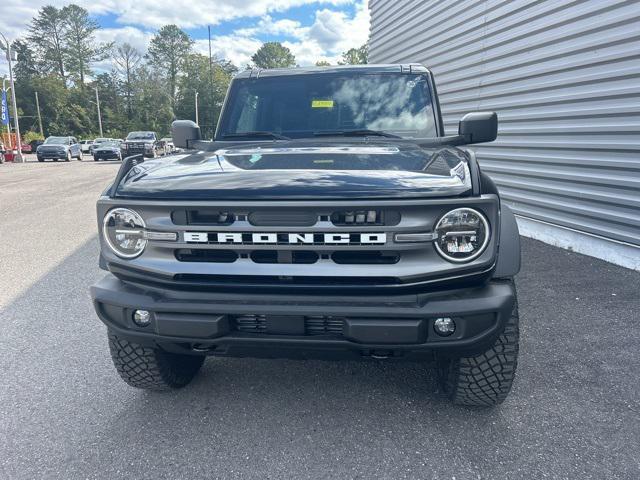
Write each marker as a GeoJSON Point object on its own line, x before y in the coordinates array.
{"type": "Point", "coordinates": [13, 100]}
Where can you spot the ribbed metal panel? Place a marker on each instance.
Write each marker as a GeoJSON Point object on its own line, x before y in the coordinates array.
{"type": "Point", "coordinates": [564, 77]}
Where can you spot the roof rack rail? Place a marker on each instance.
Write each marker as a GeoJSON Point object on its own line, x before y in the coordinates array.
{"type": "Point", "coordinates": [127, 164]}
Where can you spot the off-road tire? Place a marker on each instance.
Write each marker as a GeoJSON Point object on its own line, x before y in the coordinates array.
{"type": "Point", "coordinates": [152, 368]}
{"type": "Point", "coordinates": [483, 380]}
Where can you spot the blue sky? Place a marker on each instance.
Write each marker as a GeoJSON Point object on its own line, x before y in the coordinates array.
{"type": "Point", "coordinates": [312, 29]}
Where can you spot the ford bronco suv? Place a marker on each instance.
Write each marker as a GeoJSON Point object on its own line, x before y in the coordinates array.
{"type": "Point", "coordinates": [329, 217]}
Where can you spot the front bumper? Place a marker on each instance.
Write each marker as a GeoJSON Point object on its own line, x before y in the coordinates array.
{"type": "Point", "coordinates": [106, 155]}
{"type": "Point", "coordinates": [399, 326]}
{"type": "Point", "coordinates": [59, 155]}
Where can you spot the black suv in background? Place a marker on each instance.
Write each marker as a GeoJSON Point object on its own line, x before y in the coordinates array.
{"type": "Point", "coordinates": [142, 143]}
{"type": "Point", "coordinates": [330, 217]}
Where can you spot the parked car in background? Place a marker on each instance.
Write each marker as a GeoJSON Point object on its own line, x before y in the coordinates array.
{"type": "Point", "coordinates": [167, 143]}
{"type": "Point", "coordinates": [108, 151]}
{"type": "Point", "coordinates": [35, 144]}
{"type": "Point", "coordinates": [145, 143]}
{"type": "Point", "coordinates": [96, 143]}
{"type": "Point", "coordinates": [59, 148]}
{"type": "Point", "coordinates": [85, 145]}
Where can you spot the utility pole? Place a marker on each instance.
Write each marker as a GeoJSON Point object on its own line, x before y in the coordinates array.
{"type": "Point", "coordinates": [39, 116]}
{"type": "Point", "coordinates": [211, 93]}
{"type": "Point", "coordinates": [99, 116]}
{"type": "Point", "coordinates": [13, 99]}
{"type": "Point", "coordinates": [196, 107]}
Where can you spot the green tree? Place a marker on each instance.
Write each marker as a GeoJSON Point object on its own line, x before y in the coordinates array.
{"type": "Point", "coordinates": [152, 102]}
{"type": "Point", "coordinates": [80, 46]}
{"type": "Point", "coordinates": [46, 34]}
{"type": "Point", "coordinates": [25, 67]}
{"type": "Point", "coordinates": [356, 56]}
{"type": "Point", "coordinates": [322, 63]}
{"type": "Point", "coordinates": [211, 85]}
{"type": "Point", "coordinates": [127, 59]}
{"type": "Point", "coordinates": [273, 55]}
{"type": "Point", "coordinates": [167, 53]}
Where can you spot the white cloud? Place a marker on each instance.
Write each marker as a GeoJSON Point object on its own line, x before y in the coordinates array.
{"type": "Point", "coordinates": [237, 49]}
{"type": "Point", "coordinates": [331, 33]}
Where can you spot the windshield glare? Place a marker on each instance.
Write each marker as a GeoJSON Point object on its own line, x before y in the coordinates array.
{"type": "Point", "coordinates": [140, 136]}
{"type": "Point", "coordinates": [56, 141]}
{"type": "Point", "coordinates": [304, 105]}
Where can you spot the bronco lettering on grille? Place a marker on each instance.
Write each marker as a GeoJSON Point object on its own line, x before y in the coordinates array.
{"type": "Point", "coordinates": [274, 238]}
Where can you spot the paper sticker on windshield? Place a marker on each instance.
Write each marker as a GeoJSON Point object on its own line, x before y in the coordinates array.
{"type": "Point", "coordinates": [322, 104]}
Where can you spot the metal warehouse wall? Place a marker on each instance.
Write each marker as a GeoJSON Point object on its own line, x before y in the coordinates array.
{"type": "Point", "coordinates": [564, 77]}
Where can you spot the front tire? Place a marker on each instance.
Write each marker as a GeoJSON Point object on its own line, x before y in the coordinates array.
{"type": "Point", "coordinates": [483, 380]}
{"type": "Point", "coordinates": [152, 368]}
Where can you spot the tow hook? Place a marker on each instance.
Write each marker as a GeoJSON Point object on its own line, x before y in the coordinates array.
{"type": "Point", "coordinates": [200, 348]}
{"type": "Point", "coordinates": [381, 354]}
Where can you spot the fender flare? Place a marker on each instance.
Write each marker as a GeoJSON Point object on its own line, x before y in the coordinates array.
{"type": "Point", "coordinates": [508, 264]}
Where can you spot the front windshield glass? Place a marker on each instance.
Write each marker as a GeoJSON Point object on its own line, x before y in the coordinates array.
{"type": "Point", "coordinates": [307, 105]}
{"type": "Point", "coordinates": [110, 144]}
{"type": "Point", "coordinates": [140, 136]}
{"type": "Point", "coordinates": [56, 141]}
{"type": "Point", "coordinates": [100, 140]}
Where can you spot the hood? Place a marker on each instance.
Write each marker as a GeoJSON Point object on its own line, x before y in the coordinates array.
{"type": "Point", "coordinates": [295, 170]}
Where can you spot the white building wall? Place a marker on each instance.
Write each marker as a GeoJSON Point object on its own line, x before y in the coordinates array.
{"type": "Point", "coordinates": [564, 78]}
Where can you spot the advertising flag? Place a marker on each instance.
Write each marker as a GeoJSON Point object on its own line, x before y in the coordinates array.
{"type": "Point", "coordinates": [5, 109]}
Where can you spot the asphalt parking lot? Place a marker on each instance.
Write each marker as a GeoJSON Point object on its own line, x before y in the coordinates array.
{"type": "Point", "coordinates": [64, 413]}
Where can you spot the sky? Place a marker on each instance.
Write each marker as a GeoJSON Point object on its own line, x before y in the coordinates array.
{"type": "Point", "coordinates": [313, 29]}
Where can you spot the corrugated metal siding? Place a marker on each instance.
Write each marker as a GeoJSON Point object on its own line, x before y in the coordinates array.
{"type": "Point", "coordinates": [564, 77]}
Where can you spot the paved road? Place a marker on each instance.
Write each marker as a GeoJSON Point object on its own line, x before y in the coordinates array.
{"type": "Point", "coordinates": [64, 413]}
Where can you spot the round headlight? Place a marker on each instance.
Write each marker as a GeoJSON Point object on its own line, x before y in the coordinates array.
{"type": "Point", "coordinates": [123, 230]}
{"type": "Point", "coordinates": [463, 234]}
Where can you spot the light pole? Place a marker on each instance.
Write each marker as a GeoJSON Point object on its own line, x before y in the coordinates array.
{"type": "Point", "coordinates": [13, 100]}
{"type": "Point", "coordinates": [99, 116]}
{"type": "Point", "coordinates": [39, 116]}
{"type": "Point", "coordinates": [196, 107]}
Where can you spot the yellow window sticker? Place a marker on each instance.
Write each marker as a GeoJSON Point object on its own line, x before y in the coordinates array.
{"type": "Point", "coordinates": [322, 104]}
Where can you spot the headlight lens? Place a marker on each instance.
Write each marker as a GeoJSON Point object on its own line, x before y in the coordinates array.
{"type": "Point", "coordinates": [463, 234]}
{"type": "Point", "coordinates": [124, 231]}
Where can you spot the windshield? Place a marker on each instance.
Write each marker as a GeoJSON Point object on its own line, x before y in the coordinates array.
{"type": "Point", "coordinates": [140, 136]}
{"type": "Point", "coordinates": [56, 141]}
{"type": "Point", "coordinates": [307, 105]}
{"type": "Point", "coordinates": [100, 140]}
{"type": "Point", "coordinates": [110, 143]}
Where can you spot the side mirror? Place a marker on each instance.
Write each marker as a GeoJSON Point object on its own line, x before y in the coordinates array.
{"type": "Point", "coordinates": [479, 127]}
{"type": "Point", "coordinates": [185, 133]}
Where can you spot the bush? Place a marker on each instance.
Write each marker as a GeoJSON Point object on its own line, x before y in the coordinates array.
{"type": "Point", "coordinates": [30, 136]}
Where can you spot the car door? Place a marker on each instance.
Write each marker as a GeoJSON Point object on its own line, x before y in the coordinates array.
{"type": "Point", "coordinates": [75, 147]}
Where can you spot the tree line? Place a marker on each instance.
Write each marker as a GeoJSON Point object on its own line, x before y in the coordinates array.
{"type": "Point", "coordinates": [141, 91]}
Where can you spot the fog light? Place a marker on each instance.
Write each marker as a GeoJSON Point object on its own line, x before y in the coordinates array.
{"type": "Point", "coordinates": [444, 326]}
{"type": "Point", "coordinates": [142, 318]}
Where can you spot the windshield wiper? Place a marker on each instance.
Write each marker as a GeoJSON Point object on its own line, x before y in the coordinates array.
{"type": "Point", "coordinates": [355, 133]}
{"type": "Point", "coordinates": [273, 135]}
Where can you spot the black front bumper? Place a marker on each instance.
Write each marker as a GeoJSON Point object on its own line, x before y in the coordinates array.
{"type": "Point", "coordinates": [106, 155]}
{"type": "Point", "coordinates": [399, 326]}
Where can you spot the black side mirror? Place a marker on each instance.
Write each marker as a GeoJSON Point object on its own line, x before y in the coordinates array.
{"type": "Point", "coordinates": [185, 133]}
{"type": "Point", "coordinates": [479, 127]}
